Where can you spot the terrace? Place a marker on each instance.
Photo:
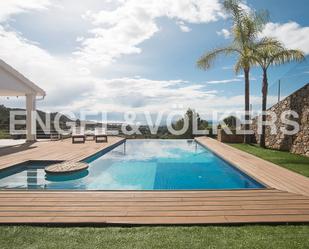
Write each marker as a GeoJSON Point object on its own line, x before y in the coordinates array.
{"type": "Point", "coordinates": [164, 124]}
{"type": "Point", "coordinates": [286, 198]}
{"type": "Point", "coordinates": [45, 150]}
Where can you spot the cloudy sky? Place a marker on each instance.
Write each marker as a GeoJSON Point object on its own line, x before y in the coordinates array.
{"type": "Point", "coordinates": [139, 55]}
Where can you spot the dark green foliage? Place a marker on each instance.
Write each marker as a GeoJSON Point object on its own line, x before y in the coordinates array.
{"type": "Point", "coordinates": [5, 120]}
{"type": "Point", "coordinates": [231, 121]}
{"type": "Point", "coordinates": [190, 116]}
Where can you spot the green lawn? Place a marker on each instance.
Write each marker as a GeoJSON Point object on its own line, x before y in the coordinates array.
{"type": "Point", "coordinates": [299, 164]}
{"type": "Point", "coordinates": [4, 135]}
{"type": "Point", "coordinates": [156, 237]}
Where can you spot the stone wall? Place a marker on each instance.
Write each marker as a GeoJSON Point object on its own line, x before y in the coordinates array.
{"type": "Point", "coordinates": [298, 143]}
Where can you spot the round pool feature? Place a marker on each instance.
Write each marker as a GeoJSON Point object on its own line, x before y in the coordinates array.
{"type": "Point", "coordinates": [66, 167]}
{"type": "Point", "coordinates": [71, 176]}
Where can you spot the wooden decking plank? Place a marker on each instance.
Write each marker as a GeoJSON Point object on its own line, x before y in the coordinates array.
{"type": "Point", "coordinates": [165, 194]}
{"type": "Point", "coordinates": [270, 174]}
{"type": "Point", "coordinates": [141, 192]}
{"type": "Point", "coordinates": [154, 208]}
{"type": "Point", "coordinates": [119, 208]}
{"type": "Point", "coordinates": [150, 198]}
{"type": "Point", "coordinates": [267, 219]}
{"type": "Point", "coordinates": [164, 213]}
{"type": "Point", "coordinates": [158, 220]}
{"type": "Point", "coordinates": [140, 208]}
{"type": "Point", "coordinates": [52, 150]}
{"type": "Point", "coordinates": [156, 199]}
{"type": "Point", "coordinates": [115, 220]}
{"type": "Point", "coordinates": [153, 204]}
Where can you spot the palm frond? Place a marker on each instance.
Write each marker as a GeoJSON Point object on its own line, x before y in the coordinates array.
{"type": "Point", "coordinates": [244, 62]}
{"type": "Point", "coordinates": [238, 66]}
{"type": "Point", "coordinates": [267, 42]}
{"type": "Point", "coordinates": [247, 24]}
{"type": "Point", "coordinates": [260, 18]}
{"type": "Point", "coordinates": [238, 14]}
{"type": "Point", "coordinates": [233, 7]}
{"type": "Point", "coordinates": [270, 51]}
{"type": "Point", "coordinates": [206, 61]}
{"type": "Point", "coordinates": [286, 56]}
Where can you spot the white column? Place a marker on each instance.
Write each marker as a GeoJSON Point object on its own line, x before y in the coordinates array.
{"type": "Point", "coordinates": [31, 117]}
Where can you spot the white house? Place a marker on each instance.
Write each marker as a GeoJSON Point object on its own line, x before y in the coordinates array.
{"type": "Point", "coordinates": [13, 83]}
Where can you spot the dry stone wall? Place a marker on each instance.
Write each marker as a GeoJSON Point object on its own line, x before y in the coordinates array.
{"type": "Point", "coordinates": [298, 143]}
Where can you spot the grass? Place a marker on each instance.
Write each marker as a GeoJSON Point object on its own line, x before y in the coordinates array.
{"type": "Point", "coordinates": [297, 163]}
{"type": "Point", "coordinates": [4, 135]}
{"type": "Point", "coordinates": [155, 237]}
{"type": "Point", "coordinates": [221, 237]}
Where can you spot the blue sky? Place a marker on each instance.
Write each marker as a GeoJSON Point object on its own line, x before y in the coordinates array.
{"type": "Point", "coordinates": [119, 56]}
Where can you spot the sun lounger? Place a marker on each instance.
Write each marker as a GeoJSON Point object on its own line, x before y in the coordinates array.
{"type": "Point", "coordinates": [100, 135]}
{"type": "Point", "coordinates": [78, 135]}
{"type": "Point", "coordinates": [90, 135]}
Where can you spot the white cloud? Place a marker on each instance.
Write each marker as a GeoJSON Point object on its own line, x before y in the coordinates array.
{"type": "Point", "coordinates": [224, 81]}
{"type": "Point", "coordinates": [10, 7]}
{"type": "Point", "coordinates": [63, 79]}
{"type": "Point", "coordinates": [140, 94]}
{"type": "Point", "coordinates": [225, 33]}
{"type": "Point", "coordinates": [241, 76]}
{"type": "Point", "coordinates": [291, 34]}
{"type": "Point", "coordinates": [69, 88]}
{"type": "Point", "coordinates": [72, 86]}
{"type": "Point", "coordinates": [121, 30]}
{"type": "Point", "coordinates": [183, 27]}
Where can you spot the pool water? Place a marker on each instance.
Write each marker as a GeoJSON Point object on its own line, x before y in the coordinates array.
{"type": "Point", "coordinates": [138, 165]}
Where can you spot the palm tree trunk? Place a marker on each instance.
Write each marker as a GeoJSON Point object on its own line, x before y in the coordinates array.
{"type": "Point", "coordinates": [264, 106]}
{"type": "Point", "coordinates": [247, 104]}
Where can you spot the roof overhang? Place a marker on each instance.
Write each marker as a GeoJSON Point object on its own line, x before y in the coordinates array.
{"type": "Point", "coordinates": [13, 83]}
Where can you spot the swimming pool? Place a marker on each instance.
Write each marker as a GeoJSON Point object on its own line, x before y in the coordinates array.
{"type": "Point", "coordinates": [138, 165]}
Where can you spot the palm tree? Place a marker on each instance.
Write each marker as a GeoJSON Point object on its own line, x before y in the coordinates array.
{"type": "Point", "coordinates": [266, 56]}
{"type": "Point", "coordinates": [246, 28]}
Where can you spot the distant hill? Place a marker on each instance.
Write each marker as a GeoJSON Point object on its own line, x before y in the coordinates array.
{"type": "Point", "coordinates": [5, 117]}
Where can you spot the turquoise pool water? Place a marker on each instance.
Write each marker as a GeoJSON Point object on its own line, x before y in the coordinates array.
{"type": "Point", "coordinates": [138, 165]}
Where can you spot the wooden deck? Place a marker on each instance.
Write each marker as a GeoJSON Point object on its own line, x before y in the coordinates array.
{"type": "Point", "coordinates": [52, 150]}
{"type": "Point", "coordinates": [285, 200]}
{"type": "Point", "coordinates": [265, 172]}
{"type": "Point", "coordinates": [152, 207]}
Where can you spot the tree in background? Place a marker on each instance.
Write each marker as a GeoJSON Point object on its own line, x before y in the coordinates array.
{"type": "Point", "coordinates": [246, 29]}
{"type": "Point", "coordinates": [273, 54]}
{"type": "Point", "coordinates": [190, 115]}
{"type": "Point", "coordinates": [231, 122]}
